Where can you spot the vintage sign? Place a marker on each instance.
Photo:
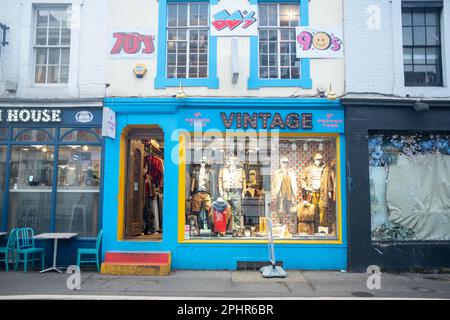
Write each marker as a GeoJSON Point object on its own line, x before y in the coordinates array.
{"type": "Point", "coordinates": [234, 21]}
{"type": "Point", "coordinates": [30, 115]}
{"type": "Point", "coordinates": [133, 45]}
{"type": "Point", "coordinates": [318, 43]}
{"type": "Point", "coordinates": [265, 120]}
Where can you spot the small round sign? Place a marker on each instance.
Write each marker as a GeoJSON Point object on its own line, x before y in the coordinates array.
{"type": "Point", "coordinates": [84, 116]}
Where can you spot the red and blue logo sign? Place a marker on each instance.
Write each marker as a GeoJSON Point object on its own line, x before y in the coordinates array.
{"type": "Point", "coordinates": [224, 20]}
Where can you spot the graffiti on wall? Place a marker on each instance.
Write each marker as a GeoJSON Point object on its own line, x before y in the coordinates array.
{"type": "Point", "coordinates": [318, 43]}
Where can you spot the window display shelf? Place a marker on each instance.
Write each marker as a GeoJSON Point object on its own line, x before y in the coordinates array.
{"type": "Point", "coordinates": [78, 190]}
{"type": "Point", "coordinates": [31, 190]}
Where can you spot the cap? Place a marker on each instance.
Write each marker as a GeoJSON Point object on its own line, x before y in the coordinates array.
{"type": "Point", "coordinates": [284, 159]}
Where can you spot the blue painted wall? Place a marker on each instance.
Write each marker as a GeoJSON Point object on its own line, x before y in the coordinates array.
{"type": "Point", "coordinates": [170, 115]}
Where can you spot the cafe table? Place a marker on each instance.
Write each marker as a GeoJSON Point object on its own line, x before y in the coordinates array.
{"type": "Point", "coordinates": [55, 236]}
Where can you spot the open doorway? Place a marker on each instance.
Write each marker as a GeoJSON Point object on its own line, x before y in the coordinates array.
{"type": "Point", "coordinates": [145, 184]}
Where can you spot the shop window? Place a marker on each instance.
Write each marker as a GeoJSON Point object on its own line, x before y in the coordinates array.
{"type": "Point", "coordinates": [409, 186]}
{"type": "Point", "coordinates": [236, 185]}
{"type": "Point", "coordinates": [422, 46]}
{"type": "Point", "coordinates": [2, 177]}
{"type": "Point", "coordinates": [277, 44]}
{"type": "Point", "coordinates": [187, 53]}
{"type": "Point", "coordinates": [52, 45]}
{"type": "Point", "coordinates": [78, 189]}
{"type": "Point", "coordinates": [33, 135]}
{"type": "Point", "coordinates": [30, 187]}
{"type": "Point", "coordinates": [70, 135]}
{"type": "Point", "coordinates": [144, 184]}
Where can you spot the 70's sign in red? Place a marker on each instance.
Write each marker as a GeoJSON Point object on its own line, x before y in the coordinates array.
{"type": "Point", "coordinates": [132, 44]}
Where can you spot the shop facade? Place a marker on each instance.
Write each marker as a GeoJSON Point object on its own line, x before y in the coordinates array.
{"type": "Point", "coordinates": [202, 178]}
{"type": "Point", "coordinates": [51, 170]}
{"type": "Point", "coordinates": [398, 183]}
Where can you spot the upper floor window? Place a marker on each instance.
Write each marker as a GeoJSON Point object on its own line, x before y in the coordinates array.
{"type": "Point", "coordinates": [277, 52]}
{"type": "Point", "coordinates": [52, 45]}
{"type": "Point", "coordinates": [422, 46]}
{"type": "Point", "coordinates": [187, 40]}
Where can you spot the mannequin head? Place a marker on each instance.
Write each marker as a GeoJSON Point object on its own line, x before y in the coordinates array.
{"type": "Point", "coordinates": [203, 162]}
{"type": "Point", "coordinates": [252, 175]}
{"type": "Point", "coordinates": [318, 159]}
{"type": "Point", "coordinates": [233, 161]}
{"type": "Point", "coordinates": [284, 163]}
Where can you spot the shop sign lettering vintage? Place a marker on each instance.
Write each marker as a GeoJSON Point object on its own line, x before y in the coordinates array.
{"type": "Point", "coordinates": [30, 115]}
{"type": "Point", "coordinates": [266, 120]}
{"type": "Point", "coordinates": [318, 43]}
{"type": "Point", "coordinates": [234, 21]}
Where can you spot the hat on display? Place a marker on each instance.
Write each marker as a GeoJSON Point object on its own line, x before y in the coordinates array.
{"type": "Point", "coordinates": [284, 159]}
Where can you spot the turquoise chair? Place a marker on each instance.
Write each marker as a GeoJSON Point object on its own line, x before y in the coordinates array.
{"type": "Point", "coordinates": [91, 252]}
{"type": "Point", "coordinates": [10, 247]}
{"type": "Point", "coordinates": [25, 249]}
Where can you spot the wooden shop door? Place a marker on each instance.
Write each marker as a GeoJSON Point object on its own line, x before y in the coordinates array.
{"type": "Point", "coordinates": [135, 189]}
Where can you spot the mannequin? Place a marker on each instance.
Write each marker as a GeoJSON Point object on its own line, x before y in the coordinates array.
{"type": "Point", "coordinates": [221, 214]}
{"type": "Point", "coordinates": [201, 184]}
{"type": "Point", "coordinates": [232, 186]}
{"type": "Point", "coordinates": [253, 188]}
{"type": "Point", "coordinates": [316, 179]}
{"type": "Point", "coordinates": [284, 192]}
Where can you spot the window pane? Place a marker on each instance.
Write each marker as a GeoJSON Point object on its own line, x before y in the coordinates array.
{"type": "Point", "coordinates": [203, 14]}
{"type": "Point", "coordinates": [395, 214]}
{"type": "Point", "coordinates": [263, 60]}
{"type": "Point", "coordinates": [53, 36]}
{"type": "Point", "coordinates": [193, 59]}
{"type": "Point", "coordinates": [273, 15]}
{"type": "Point", "coordinates": [193, 35]}
{"type": "Point", "coordinates": [182, 15]}
{"type": "Point", "coordinates": [263, 48]}
{"type": "Point", "coordinates": [432, 36]}
{"type": "Point", "coordinates": [171, 59]}
{"type": "Point", "coordinates": [52, 76]}
{"type": "Point", "coordinates": [41, 56]}
{"type": "Point", "coordinates": [263, 35]}
{"type": "Point", "coordinates": [284, 73]}
{"type": "Point", "coordinates": [202, 72]}
{"type": "Point", "coordinates": [263, 15]}
{"type": "Point", "coordinates": [55, 17]}
{"type": "Point", "coordinates": [40, 73]}
{"type": "Point", "coordinates": [202, 59]}
{"type": "Point", "coordinates": [66, 17]}
{"type": "Point", "coordinates": [420, 74]}
{"type": "Point", "coordinates": [31, 187]}
{"type": "Point", "coordinates": [78, 136]}
{"type": "Point", "coordinates": [181, 72]}
{"type": "Point", "coordinates": [65, 56]}
{"type": "Point", "coordinates": [193, 15]}
{"type": "Point", "coordinates": [273, 60]}
{"type": "Point", "coordinates": [42, 18]}
{"type": "Point", "coordinates": [171, 47]}
{"type": "Point", "coordinates": [53, 57]}
{"type": "Point", "coordinates": [432, 74]}
{"type": "Point", "coordinates": [431, 18]}
{"type": "Point", "coordinates": [193, 72]}
{"type": "Point", "coordinates": [181, 60]}
{"type": "Point", "coordinates": [263, 73]}
{"type": "Point", "coordinates": [65, 36]}
{"type": "Point", "coordinates": [407, 36]}
{"type": "Point", "coordinates": [407, 56]}
{"type": "Point", "coordinates": [41, 36]}
{"type": "Point", "coordinates": [433, 56]}
{"type": "Point", "coordinates": [284, 60]}
{"type": "Point", "coordinates": [172, 20]}
{"type": "Point", "coordinates": [172, 35]}
{"type": "Point", "coordinates": [273, 35]}
{"type": "Point", "coordinates": [418, 17]}
{"type": "Point", "coordinates": [419, 36]}
{"type": "Point", "coordinates": [64, 75]}
{"type": "Point", "coordinates": [171, 72]}
{"type": "Point", "coordinates": [34, 135]}
{"type": "Point", "coordinates": [78, 189]}
{"type": "Point", "coordinates": [181, 34]}
{"type": "Point", "coordinates": [172, 9]}
{"type": "Point", "coordinates": [419, 55]}
{"type": "Point", "coordinates": [285, 34]}
{"type": "Point", "coordinates": [273, 73]}
{"type": "Point", "coordinates": [295, 72]}
{"type": "Point", "coordinates": [284, 47]}
{"type": "Point", "coordinates": [181, 47]}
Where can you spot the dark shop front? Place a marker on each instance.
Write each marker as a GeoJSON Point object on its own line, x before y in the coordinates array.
{"type": "Point", "coordinates": [50, 171]}
{"type": "Point", "coordinates": [398, 183]}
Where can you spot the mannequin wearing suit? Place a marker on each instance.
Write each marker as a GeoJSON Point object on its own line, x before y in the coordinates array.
{"type": "Point", "coordinates": [284, 192]}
